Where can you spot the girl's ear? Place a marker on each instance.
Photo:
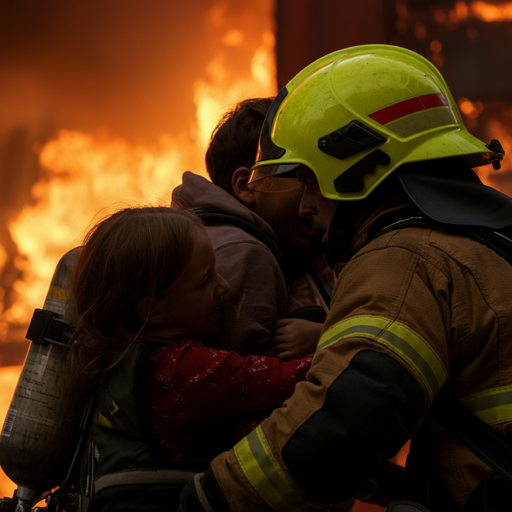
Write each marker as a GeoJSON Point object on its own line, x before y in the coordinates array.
{"type": "Point", "coordinates": [239, 182]}
{"type": "Point", "coordinates": [149, 311]}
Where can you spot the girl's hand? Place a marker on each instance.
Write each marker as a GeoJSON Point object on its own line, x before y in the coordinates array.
{"type": "Point", "coordinates": [294, 337]}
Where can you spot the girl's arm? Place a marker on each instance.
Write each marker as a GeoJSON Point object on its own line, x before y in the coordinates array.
{"type": "Point", "coordinates": [191, 382]}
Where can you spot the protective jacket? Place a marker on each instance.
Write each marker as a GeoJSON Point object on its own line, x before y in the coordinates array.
{"type": "Point", "coordinates": [259, 294]}
{"type": "Point", "coordinates": [412, 310]}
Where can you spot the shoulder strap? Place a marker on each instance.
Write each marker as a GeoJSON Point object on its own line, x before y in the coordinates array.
{"type": "Point", "coordinates": [210, 215]}
{"type": "Point", "coordinates": [495, 240]}
{"type": "Point", "coordinates": [485, 442]}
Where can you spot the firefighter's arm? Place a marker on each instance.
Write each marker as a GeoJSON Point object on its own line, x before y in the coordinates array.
{"type": "Point", "coordinates": [320, 449]}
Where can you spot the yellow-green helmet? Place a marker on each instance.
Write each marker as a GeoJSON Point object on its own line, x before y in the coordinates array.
{"type": "Point", "coordinates": [356, 115]}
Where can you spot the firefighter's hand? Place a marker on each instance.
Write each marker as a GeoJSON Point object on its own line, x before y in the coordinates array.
{"type": "Point", "coordinates": [294, 337]}
{"type": "Point", "coordinates": [203, 494]}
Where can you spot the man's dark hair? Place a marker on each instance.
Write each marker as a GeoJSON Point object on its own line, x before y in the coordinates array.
{"type": "Point", "coordinates": [234, 141]}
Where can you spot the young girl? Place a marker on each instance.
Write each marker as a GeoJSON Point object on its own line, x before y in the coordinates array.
{"type": "Point", "coordinates": [147, 293]}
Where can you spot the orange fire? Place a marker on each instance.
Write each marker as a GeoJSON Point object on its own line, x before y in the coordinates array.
{"type": "Point", "coordinates": [91, 173]}
{"type": "Point", "coordinates": [495, 129]}
{"type": "Point", "coordinates": [484, 11]}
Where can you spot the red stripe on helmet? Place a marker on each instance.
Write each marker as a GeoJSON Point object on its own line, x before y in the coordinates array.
{"type": "Point", "coordinates": [410, 106]}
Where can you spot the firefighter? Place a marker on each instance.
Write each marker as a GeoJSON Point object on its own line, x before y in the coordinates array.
{"type": "Point", "coordinates": [374, 133]}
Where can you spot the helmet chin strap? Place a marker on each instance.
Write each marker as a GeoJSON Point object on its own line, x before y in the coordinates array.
{"type": "Point", "coordinates": [341, 232]}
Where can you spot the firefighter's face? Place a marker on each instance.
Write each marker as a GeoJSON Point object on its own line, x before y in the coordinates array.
{"type": "Point", "coordinates": [314, 207]}
{"type": "Point", "coordinates": [193, 304]}
{"type": "Point", "coordinates": [281, 211]}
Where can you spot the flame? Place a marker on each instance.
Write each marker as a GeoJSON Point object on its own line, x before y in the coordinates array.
{"type": "Point", "coordinates": [497, 130]}
{"type": "Point", "coordinates": [85, 174]}
{"type": "Point", "coordinates": [494, 129]}
{"type": "Point", "coordinates": [90, 173]}
{"type": "Point", "coordinates": [8, 379]}
{"type": "Point", "coordinates": [215, 96]}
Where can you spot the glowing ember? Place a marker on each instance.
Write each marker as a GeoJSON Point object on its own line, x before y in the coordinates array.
{"type": "Point", "coordinates": [493, 128]}
{"type": "Point", "coordinates": [484, 11]}
{"type": "Point", "coordinates": [491, 12]}
{"type": "Point", "coordinates": [501, 132]}
{"type": "Point", "coordinates": [471, 111]}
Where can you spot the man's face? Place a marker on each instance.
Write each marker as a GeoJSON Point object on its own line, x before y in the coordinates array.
{"type": "Point", "coordinates": [314, 208]}
{"type": "Point", "coordinates": [281, 211]}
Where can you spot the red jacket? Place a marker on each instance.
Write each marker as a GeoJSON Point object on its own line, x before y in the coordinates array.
{"type": "Point", "coordinates": [200, 400]}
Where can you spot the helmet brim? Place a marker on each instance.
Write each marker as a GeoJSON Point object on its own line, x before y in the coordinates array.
{"type": "Point", "coordinates": [454, 143]}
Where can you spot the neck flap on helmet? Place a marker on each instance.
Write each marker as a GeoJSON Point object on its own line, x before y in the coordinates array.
{"type": "Point", "coordinates": [450, 192]}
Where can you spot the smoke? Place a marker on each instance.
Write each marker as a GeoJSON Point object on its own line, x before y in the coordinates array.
{"type": "Point", "coordinates": [123, 65]}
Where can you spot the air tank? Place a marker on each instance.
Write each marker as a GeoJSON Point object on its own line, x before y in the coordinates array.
{"type": "Point", "coordinates": [41, 428]}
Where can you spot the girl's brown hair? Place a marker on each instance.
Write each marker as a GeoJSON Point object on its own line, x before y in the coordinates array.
{"type": "Point", "coordinates": [132, 254]}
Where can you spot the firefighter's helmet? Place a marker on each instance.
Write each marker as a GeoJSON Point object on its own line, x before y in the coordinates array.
{"type": "Point", "coordinates": [356, 115]}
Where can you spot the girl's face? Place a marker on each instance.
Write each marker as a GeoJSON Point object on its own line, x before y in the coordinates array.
{"type": "Point", "coordinates": [194, 302]}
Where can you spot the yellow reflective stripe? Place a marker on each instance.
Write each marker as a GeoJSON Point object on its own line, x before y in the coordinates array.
{"type": "Point", "coordinates": [399, 338]}
{"type": "Point", "coordinates": [493, 406]}
{"type": "Point", "coordinates": [115, 408]}
{"type": "Point", "coordinates": [266, 474]}
{"type": "Point", "coordinates": [102, 420]}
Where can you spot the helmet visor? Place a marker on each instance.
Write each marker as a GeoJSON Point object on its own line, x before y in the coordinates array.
{"type": "Point", "coordinates": [275, 184]}
{"type": "Point", "coordinates": [274, 178]}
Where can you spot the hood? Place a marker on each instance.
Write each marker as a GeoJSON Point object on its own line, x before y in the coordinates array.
{"type": "Point", "coordinates": [198, 191]}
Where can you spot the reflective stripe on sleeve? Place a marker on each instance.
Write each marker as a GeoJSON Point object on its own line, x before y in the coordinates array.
{"type": "Point", "coordinates": [266, 475]}
{"type": "Point", "coordinates": [399, 338]}
{"type": "Point", "coordinates": [493, 406]}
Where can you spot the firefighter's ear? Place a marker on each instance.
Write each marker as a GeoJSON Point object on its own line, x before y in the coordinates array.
{"type": "Point", "coordinates": [239, 182]}
{"type": "Point", "coordinates": [150, 311]}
